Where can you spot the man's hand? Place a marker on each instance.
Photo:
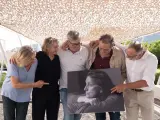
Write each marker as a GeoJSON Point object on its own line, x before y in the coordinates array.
{"type": "Point", "coordinates": [94, 43]}
{"type": "Point", "coordinates": [119, 88]}
{"type": "Point", "coordinates": [64, 46]}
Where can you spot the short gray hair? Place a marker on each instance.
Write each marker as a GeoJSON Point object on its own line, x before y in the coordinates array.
{"type": "Point", "coordinates": [73, 35]}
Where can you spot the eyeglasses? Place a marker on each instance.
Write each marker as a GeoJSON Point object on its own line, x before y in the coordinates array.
{"type": "Point", "coordinates": [76, 44]}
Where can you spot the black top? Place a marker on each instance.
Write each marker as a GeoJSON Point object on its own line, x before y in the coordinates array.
{"type": "Point", "coordinates": [49, 71]}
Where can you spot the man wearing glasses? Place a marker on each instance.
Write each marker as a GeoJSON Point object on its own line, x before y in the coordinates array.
{"type": "Point", "coordinates": [72, 59]}
{"type": "Point", "coordinates": [138, 90]}
{"type": "Point", "coordinates": [107, 55]}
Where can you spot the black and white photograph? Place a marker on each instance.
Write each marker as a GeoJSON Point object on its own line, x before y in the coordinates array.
{"type": "Point", "coordinates": [90, 91]}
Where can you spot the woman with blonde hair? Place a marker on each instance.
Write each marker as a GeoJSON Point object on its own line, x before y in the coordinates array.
{"type": "Point", "coordinates": [18, 84]}
{"type": "Point", "coordinates": [47, 99]}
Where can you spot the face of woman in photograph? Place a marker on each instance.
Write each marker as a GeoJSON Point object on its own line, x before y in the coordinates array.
{"type": "Point", "coordinates": [92, 89]}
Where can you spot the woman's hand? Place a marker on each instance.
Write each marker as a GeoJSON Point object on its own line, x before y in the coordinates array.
{"type": "Point", "coordinates": [39, 84]}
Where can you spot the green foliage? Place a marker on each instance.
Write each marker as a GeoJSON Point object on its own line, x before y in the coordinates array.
{"type": "Point", "coordinates": [157, 76]}
{"type": "Point", "coordinates": [153, 47]}
{"type": "Point", "coordinates": [2, 79]}
{"type": "Point", "coordinates": [126, 42]}
{"type": "Point", "coordinates": [4, 65]}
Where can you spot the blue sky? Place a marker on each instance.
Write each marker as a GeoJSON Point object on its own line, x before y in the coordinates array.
{"type": "Point", "coordinates": [150, 38]}
{"type": "Point", "coordinates": [153, 37]}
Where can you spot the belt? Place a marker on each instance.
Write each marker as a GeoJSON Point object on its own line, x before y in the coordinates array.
{"type": "Point", "coordinates": [137, 90]}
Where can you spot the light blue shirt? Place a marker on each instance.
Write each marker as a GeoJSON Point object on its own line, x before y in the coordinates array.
{"type": "Point", "coordinates": [24, 76]}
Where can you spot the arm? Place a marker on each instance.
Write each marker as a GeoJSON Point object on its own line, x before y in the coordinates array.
{"type": "Point", "coordinates": [123, 47]}
{"type": "Point", "coordinates": [19, 85]}
{"type": "Point", "coordinates": [137, 84]}
{"type": "Point", "coordinates": [104, 105]}
{"type": "Point", "coordinates": [16, 84]}
{"type": "Point", "coordinates": [14, 77]}
{"type": "Point", "coordinates": [123, 68]}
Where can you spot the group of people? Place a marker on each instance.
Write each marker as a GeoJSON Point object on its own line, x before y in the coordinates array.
{"type": "Point", "coordinates": [46, 72]}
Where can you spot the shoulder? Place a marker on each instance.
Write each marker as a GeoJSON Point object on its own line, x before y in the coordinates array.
{"type": "Point", "coordinates": [151, 57]}
{"type": "Point", "coordinates": [12, 66]}
{"type": "Point", "coordinates": [40, 54]}
{"type": "Point", "coordinates": [118, 51]}
{"type": "Point", "coordinates": [84, 49]}
{"type": "Point", "coordinates": [61, 51]}
{"type": "Point", "coordinates": [12, 69]}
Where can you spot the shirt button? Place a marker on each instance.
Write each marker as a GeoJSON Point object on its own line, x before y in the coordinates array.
{"type": "Point", "coordinates": [100, 65]}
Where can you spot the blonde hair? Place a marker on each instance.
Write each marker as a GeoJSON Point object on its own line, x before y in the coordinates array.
{"type": "Point", "coordinates": [25, 54]}
{"type": "Point", "coordinates": [47, 43]}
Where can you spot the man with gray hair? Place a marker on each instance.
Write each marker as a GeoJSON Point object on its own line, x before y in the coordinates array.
{"type": "Point", "coordinates": [72, 59]}
{"type": "Point", "coordinates": [107, 55]}
{"type": "Point", "coordinates": [138, 89]}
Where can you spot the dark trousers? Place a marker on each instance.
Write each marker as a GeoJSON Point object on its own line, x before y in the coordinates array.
{"type": "Point", "coordinates": [14, 110]}
{"type": "Point", "coordinates": [112, 115]}
{"type": "Point", "coordinates": [45, 103]}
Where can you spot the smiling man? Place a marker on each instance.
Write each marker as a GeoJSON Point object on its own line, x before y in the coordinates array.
{"type": "Point", "coordinates": [72, 59]}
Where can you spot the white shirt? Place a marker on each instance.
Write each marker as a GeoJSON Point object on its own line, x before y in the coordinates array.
{"type": "Point", "coordinates": [71, 62]}
{"type": "Point", "coordinates": [142, 69]}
